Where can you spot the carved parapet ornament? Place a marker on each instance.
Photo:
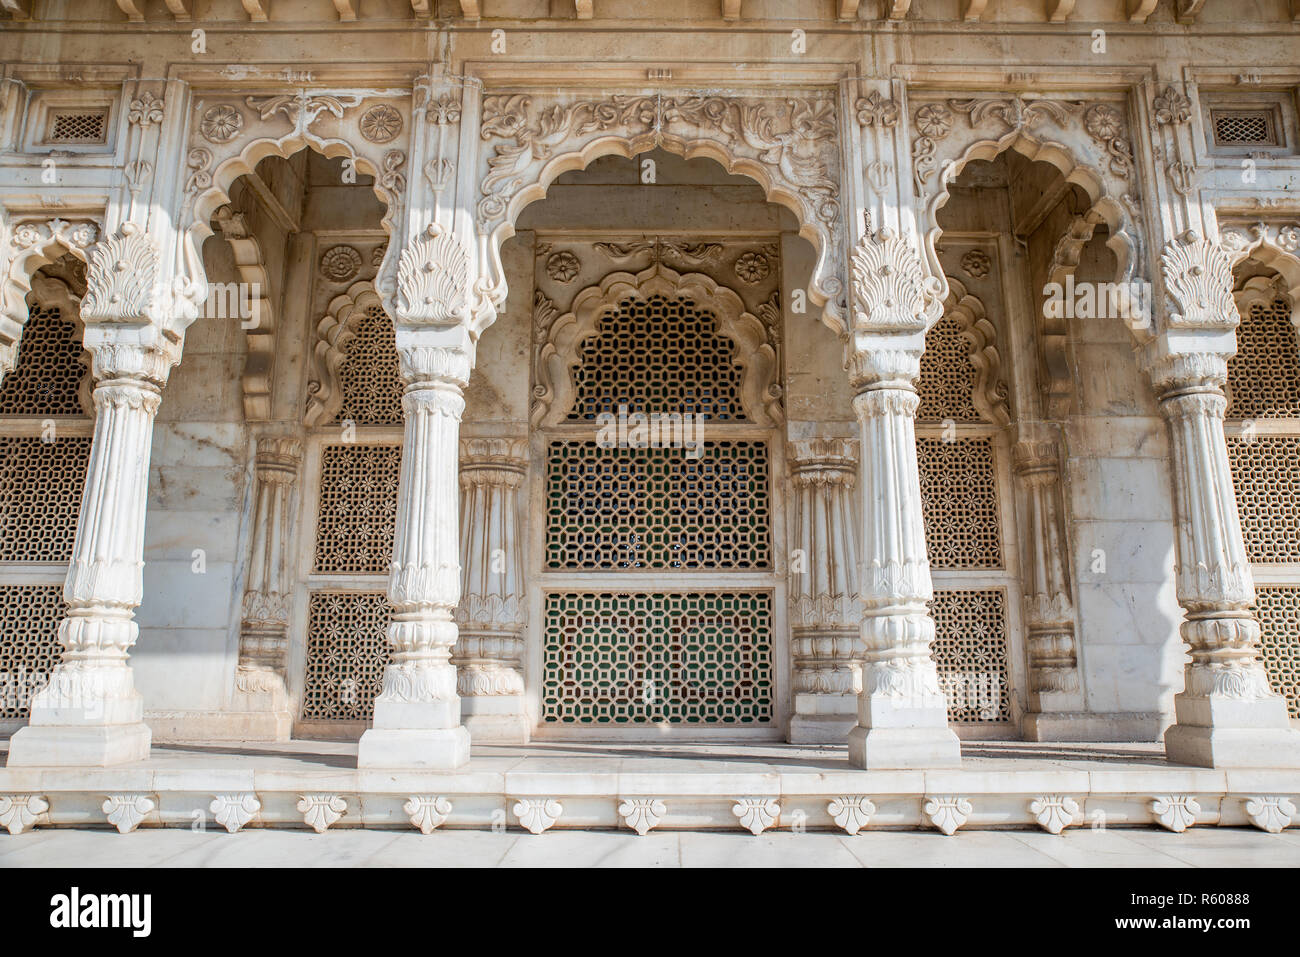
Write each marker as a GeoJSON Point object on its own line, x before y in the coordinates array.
{"type": "Point", "coordinates": [1227, 715]}
{"type": "Point", "coordinates": [1048, 606]}
{"type": "Point", "coordinates": [825, 613]}
{"type": "Point", "coordinates": [491, 614]}
{"type": "Point", "coordinates": [264, 619]}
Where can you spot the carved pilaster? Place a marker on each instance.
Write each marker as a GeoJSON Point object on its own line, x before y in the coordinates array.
{"type": "Point", "coordinates": [1227, 716]}
{"type": "Point", "coordinates": [491, 614]}
{"type": "Point", "coordinates": [825, 614]}
{"type": "Point", "coordinates": [1049, 609]}
{"type": "Point", "coordinates": [264, 618]}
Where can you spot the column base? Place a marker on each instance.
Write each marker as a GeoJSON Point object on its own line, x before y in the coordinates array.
{"type": "Point", "coordinates": [436, 749]}
{"type": "Point", "coordinates": [191, 726]}
{"type": "Point", "coordinates": [497, 728]}
{"type": "Point", "coordinates": [1233, 747]}
{"type": "Point", "coordinates": [93, 747]}
{"type": "Point", "coordinates": [821, 728]}
{"type": "Point", "coordinates": [1093, 726]}
{"type": "Point", "coordinates": [903, 748]}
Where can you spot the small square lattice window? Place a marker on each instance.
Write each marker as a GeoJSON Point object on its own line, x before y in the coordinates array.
{"type": "Point", "coordinates": [29, 643]}
{"type": "Point", "coordinates": [347, 649]}
{"type": "Point", "coordinates": [970, 652]}
{"type": "Point", "coordinates": [1279, 618]}
{"type": "Point", "coordinates": [1244, 128]}
{"type": "Point", "coordinates": [636, 659]}
{"type": "Point", "coordinates": [78, 126]}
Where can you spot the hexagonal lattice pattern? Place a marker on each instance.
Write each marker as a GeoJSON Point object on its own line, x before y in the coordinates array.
{"type": "Point", "coordinates": [959, 501]}
{"type": "Point", "coordinates": [947, 378]}
{"type": "Point", "coordinates": [1278, 609]}
{"type": "Point", "coordinates": [347, 650]}
{"type": "Point", "coordinates": [29, 643]}
{"type": "Point", "coordinates": [49, 371]}
{"type": "Point", "coordinates": [657, 508]}
{"type": "Point", "coordinates": [1266, 474]}
{"type": "Point", "coordinates": [970, 653]}
{"type": "Point", "coordinates": [658, 355]}
{"type": "Point", "coordinates": [358, 507]}
{"type": "Point", "coordinates": [40, 494]}
{"type": "Point", "coordinates": [1264, 375]}
{"type": "Point", "coordinates": [369, 377]}
{"type": "Point", "coordinates": [635, 659]}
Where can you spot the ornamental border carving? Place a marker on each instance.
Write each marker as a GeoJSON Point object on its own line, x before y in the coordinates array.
{"type": "Point", "coordinates": [789, 145]}
{"type": "Point", "coordinates": [559, 339]}
{"type": "Point", "coordinates": [1088, 141]}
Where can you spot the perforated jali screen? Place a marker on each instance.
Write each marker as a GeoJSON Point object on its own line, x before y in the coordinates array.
{"type": "Point", "coordinates": [970, 652]}
{"type": "Point", "coordinates": [369, 377]}
{"type": "Point", "coordinates": [1278, 608]}
{"type": "Point", "coordinates": [29, 643]}
{"type": "Point", "coordinates": [697, 658]}
{"type": "Point", "coordinates": [959, 502]}
{"type": "Point", "coordinates": [947, 379]}
{"type": "Point", "coordinates": [358, 508]}
{"type": "Point", "coordinates": [1264, 375]}
{"type": "Point", "coordinates": [657, 508]}
{"type": "Point", "coordinates": [347, 649]}
{"type": "Point", "coordinates": [658, 355]}
{"type": "Point", "coordinates": [1266, 474]}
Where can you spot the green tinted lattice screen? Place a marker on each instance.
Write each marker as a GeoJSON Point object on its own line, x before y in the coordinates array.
{"type": "Point", "coordinates": [609, 508]}
{"type": "Point", "coordinates": [699, 658]}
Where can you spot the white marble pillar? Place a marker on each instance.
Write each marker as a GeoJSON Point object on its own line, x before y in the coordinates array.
{"type": "Point", "coordinates": [491, 614]}
{"type": "Point", "coordinates": [417, 714]}
{"type": "Point", "coordinates": [261, 698]}
{"type": "Point", "coordinates": [902, 712]}
{"type": "Point", "coordinates": [1054, 688]}
{"type": "Point", "coordinates": [1227, 715]}
{"type": "Point", "coordinates": [825, 616]}
{"type": "Point", "coordinates": [90, 713]}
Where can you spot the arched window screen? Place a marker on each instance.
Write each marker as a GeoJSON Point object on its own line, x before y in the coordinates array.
{"type": "Point", "coordinates": [45, 439]}
{"type": "Point", "coordinates": [638, 629]}
{"type": "Point", "coordinates": [957, 456]}
{"type": "Point", "coordinates": [1264, 453]}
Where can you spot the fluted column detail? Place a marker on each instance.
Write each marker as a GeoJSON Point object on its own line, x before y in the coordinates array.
{"type": "Point", "coordinates": [1049, 607]}
{"type": "Point", "coordinates": [902, 713]}
{"type": "Point", "coordinates": [90, 712]}
{"type": "Point", "coordinates": [417, 713]}
{"type": "Point", "coordinates": [825, 614]}
{"type": "Point", "coordinates": [1226, 716]}
{"type": "Point", "coordinates": [491, 613]}
{"type": "Point", "coordinates": [268, 593]}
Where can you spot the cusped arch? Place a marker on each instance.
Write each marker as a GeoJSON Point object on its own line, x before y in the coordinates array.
{"type": "Point", "coordinates": [228, 140]}
{"type": "Point", "coordinates": [332, 340]}
{"type": "Point", "coordinates": [988, 394]}
{"type": "Point", "coordinates": [787, 145]}
{"type": "Point", "coordinates": [560, 339]}
{"type": "Point", "coordinates": [1058, 132]}
{"type": "Point", "coordinates": [1276, 247]}
{"type": "Point", "coordinates": [30, 246]}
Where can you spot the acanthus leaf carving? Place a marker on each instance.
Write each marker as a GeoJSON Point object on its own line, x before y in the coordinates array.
{"type": "Point", "coordinates": [122, 281]}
